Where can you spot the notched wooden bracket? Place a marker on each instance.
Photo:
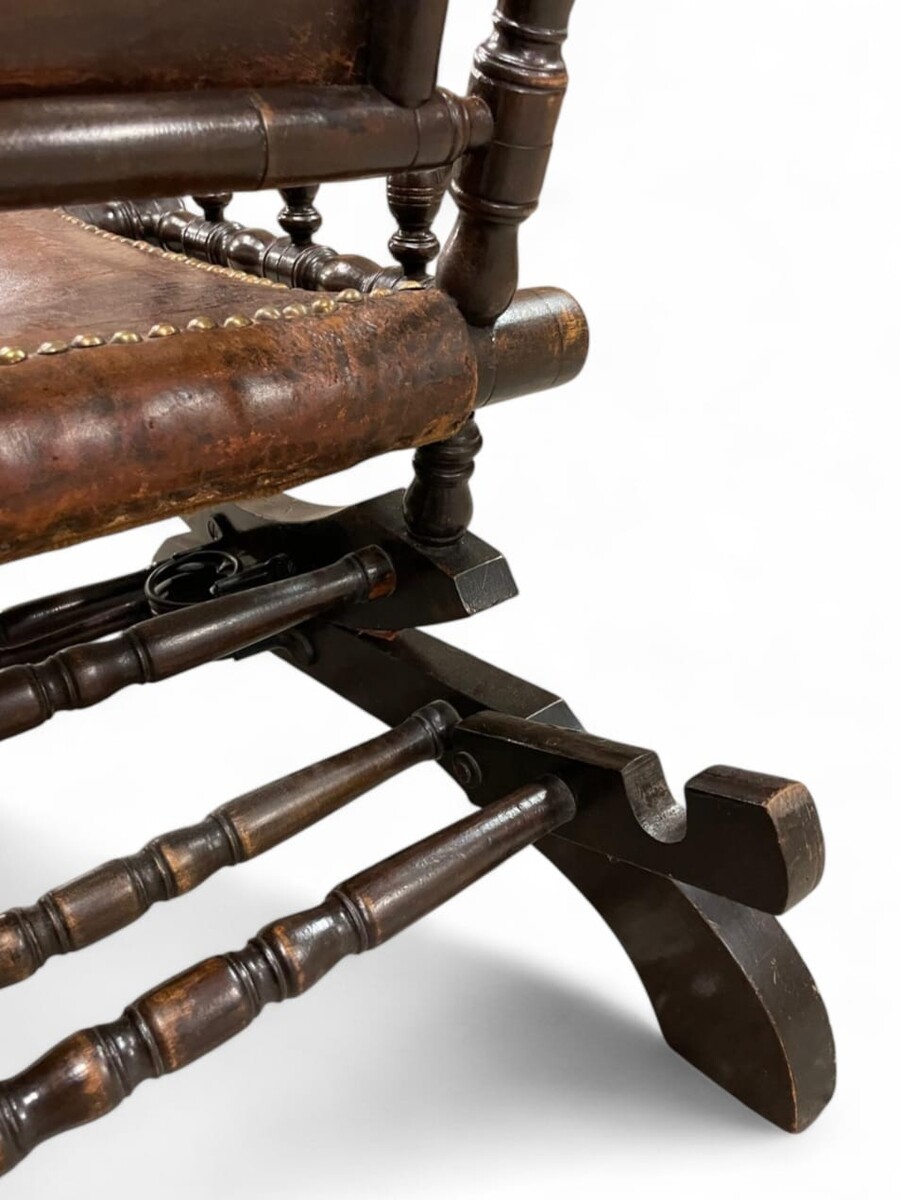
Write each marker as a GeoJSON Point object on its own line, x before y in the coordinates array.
{"type": "Point", "coordinates": [752, 838]}
{"type": "Point", "coordinates": [729, 990]}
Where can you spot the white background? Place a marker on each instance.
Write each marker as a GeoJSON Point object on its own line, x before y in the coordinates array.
{"type": "Point", "coordinates": [702, 530]}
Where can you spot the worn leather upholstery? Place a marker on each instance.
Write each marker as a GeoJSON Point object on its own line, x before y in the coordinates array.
{"type": "Point", "coordinates": [103, 437]}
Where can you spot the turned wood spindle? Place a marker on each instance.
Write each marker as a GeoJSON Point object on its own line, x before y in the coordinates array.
{"type": "Point", "coordinates": [300, 219]}
{"type": "Point", "coordinates": [117, 893]}
{"type": "Point", "coordinates": [414, 198]}
{"type": "Point", "coordinates": [520, 73]}
{"type": "Point", "coordinates": [213, 205]}
{"type": "Point", "coordinates": [437, 506]}
{"type": "Point", "coordinates": [90, 1073]}
{"type": "Point", "coordinates": [36, 628]}
{"type": "Point", "coordinates": [311, 266]}
{"type": "Point", "coordinates": [162, 646]}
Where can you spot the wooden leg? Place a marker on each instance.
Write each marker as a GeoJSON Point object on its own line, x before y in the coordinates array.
{"type": "Point", "coordinates": [730, 991]}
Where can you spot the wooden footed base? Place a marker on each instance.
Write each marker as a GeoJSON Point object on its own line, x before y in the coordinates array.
{"type": "Point", "coordinates": [730, 991]}
{"type": "Point", "coordinates": [690, 890]}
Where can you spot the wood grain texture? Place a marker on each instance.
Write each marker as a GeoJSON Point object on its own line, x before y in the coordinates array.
{"type": "Point", "coordinates": [116, 894]}
{"type": "Point", "coordinates": [731, 994]}
{"type": "Point", "coordinates": [92, 1072]}
{"type": "Point", "coordinates": [519, 72]}
{"type": "Point", "coordinates": [160, 647]}
{"type": "Point", "coordinates": [730, 991]}
{"type": "Point", "coordinates": [78, 149]}
{"type": "Point", "coordinates": [405, 46]}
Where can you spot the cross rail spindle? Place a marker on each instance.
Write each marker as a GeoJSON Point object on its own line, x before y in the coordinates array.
{"type": "Point", "coordinates": [90, 1073]}
{"type": "Point", "coordinates": [171, 643]}
{"type": "Point", "coordinates": [119, 892]}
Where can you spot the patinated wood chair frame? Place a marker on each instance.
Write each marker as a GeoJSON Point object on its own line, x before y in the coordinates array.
{"type": "Point", "coordinates": [690, 892]}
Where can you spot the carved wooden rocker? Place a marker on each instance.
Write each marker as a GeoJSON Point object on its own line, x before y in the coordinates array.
{"type": "Point", "coordinates": [155, 362]}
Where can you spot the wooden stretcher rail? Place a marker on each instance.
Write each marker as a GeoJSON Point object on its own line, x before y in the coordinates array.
{"type": "Point", "coordinates": [173, 642]}
{"type": "Point", "coordinates": [116, 894]}
{"type": "Point", "coordinates": [90, 1073]}
{"type": "Point", "coordinates": [78, 149]}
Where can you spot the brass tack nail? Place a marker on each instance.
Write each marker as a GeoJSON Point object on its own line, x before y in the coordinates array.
{"type": "Point", "coordinates": [53, 347]}
{"type": "Point", "coordinates": [124, 337]}
{"type": "Point", "coordinates": [381, 291]}
{"type": "Point", "coordinates": [267, 314]}
{"type": "Point", "coordinates": [162, 330]}
{"type": "Point", "coordinates": [236, 321]}
{"type": "Point", "coordinates": [200, 324]}
{"type": "Point", "coordinates": [281, 286]}
{"type": "Point", "coordinates": [409, 285]}
{"type": "Point", "coordinates": [349, 296]}
{"type": "Point", "coordinates": [84, 341]}
{"type": "Point", "coordinates": [10, 355]}
{"type": "Point", "coordinates": [291, 311]}
{"type": "Point", "coordinates": [323, 306]}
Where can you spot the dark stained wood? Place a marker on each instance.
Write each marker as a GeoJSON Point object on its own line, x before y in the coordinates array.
{"type": "Point", "coordinates": [438, 502]}
{"type": "Point", "coordinates": [752, 838]}
{"type": "Point", "coordinates": [96, 46]}
{"type": "Point", "coordinates": [90, 1073]}
{"type": "Point", "coordinates": [31, 630]}
{"type": "Point", "coordinates": [80, 149]}
{"type": "Point", "coordinates": [539, 341]}
{"type": "Point", "coordinates": [520, 73]}
{"type": "Point", "coordinates": [214, 204]}
{"type": "Point", "coordinates": [296, 260]}
{"type": "Point", "coordinates": [762, 1033]}
{"type": "Point", "coordinates": [166, 645]}
{"type": "Point", "coordinates": [114, 895]}
{"type": "Point", "coordinates": [414, 198]}
{"type": "Point", "coordinates": [171, 370]}
{"type": "Point", "coordinates": [405, 46]}
{"type": "Point", "coordinates": [300, 219]}
{"type": "Point", "coordinates": [730, 991]}
{"type": "Point", "coordinates": [434, 583]}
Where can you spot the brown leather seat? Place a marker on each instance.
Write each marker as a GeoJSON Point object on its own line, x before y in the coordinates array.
{"type": "Point", "coordinates": [137, 383]}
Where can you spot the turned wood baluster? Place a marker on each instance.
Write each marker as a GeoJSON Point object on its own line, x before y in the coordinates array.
{"type": "Point", "coordinates": [520, 73]}
{"type": "Point", "coordinates": [300, 219]}
{"type": "Point", "coordinates": [214, 204]}
{"type": "Point", "coordinates": [119, 892]}
{"type": "Point", "coordinates": [91, 1072]}
{"type": "Point", "coordinates": [166, 645]}
{"type": "Point", "coordinates": [414, 198]}
{"type": "Point", "coordinates": [311, 266]}
{"type": "Point", "coordinates": [437, 506]}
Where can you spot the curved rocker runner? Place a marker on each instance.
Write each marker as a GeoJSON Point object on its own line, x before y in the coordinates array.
{"type": "Point", "coordinates": [156, 362]}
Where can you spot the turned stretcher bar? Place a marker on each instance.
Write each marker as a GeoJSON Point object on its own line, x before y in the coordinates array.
{"type": "Point", "coordinates": [91, 1072]}
{"type": "Point", "coordinates": [116, 894]}
{"type": "Point", "coordinates": [162, 646]}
